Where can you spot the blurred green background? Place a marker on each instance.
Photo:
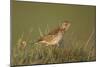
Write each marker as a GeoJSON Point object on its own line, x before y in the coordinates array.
{"type": "Point", "coordinates": [33, 15]}
{"type": "Point", "coordinates": [26, 15]}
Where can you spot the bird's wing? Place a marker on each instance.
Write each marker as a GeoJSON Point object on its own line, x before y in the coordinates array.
{"type": "Point", "coordinates": [54, 32]}
{"type": "Point", "coordinates": [47, 38]}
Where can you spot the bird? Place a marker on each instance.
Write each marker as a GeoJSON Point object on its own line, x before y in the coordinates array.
{"type": "Point", "coordinates": [54, 36]}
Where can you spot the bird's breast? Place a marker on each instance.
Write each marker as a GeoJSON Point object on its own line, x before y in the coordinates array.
{"type": "Point", "coordinates": [57, 38]}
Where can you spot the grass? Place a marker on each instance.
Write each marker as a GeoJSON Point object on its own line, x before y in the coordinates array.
{"type": "Point", "coordinates": [26, 53]}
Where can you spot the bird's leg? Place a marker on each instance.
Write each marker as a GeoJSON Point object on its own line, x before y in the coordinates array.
{"type": "Point", "coordinates": [61, 43]}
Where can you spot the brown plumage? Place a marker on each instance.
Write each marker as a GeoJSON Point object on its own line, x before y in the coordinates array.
{"type": "Point", "coordinates": [55, 36]}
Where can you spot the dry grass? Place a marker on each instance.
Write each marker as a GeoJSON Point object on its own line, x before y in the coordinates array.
{"type": "Point", "coordinates": [26, 53]}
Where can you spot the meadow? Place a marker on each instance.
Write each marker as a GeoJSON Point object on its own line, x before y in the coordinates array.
{"type": "Point", "coordinates": [25, 52]}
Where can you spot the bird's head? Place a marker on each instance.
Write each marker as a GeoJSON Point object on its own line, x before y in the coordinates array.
{"type": "Point", "coordinates": [65, 25]}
